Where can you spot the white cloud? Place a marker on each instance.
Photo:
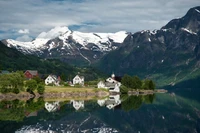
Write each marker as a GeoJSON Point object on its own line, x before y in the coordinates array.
{"type": "Point", "coordinates": [101, 15]}
{"type": "Point", "coordinates": [24, 31]}
{"type": "Point", "coordinates": [24, 38]}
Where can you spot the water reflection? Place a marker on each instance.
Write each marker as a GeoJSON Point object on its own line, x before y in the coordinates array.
{"type": "Point", "coordinates": [52, 106]}
{"type": "Point", "coordinates": [110, 102]}
{"type": "Point", "coordinates": [150, 113]}
{"type": "Point", "coordinates": [77, 104]}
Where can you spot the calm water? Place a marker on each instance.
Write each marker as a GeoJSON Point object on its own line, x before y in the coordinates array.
{"type": "Point", "coordinates": [173, 112]}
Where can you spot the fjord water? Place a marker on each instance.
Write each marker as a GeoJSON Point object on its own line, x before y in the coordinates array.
{"type": "Point", "coordinates": [176, 111]}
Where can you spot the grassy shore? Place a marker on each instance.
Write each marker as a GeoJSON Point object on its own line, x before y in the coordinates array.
{"type": "Point", "coordinates": [49, 89]}
{"type": "Point", "coordinates": [63, 93]}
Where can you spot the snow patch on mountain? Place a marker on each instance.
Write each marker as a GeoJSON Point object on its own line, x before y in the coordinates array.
{"type": "Point", "coordinates": [197, 10]}
{"type": "Point", "coordinates": [189, 31]}
{"type": "Point", "coordinates": [37, 43]}
{"type": "Point", "coordinates": [53, 33]}
{"type": "Point", "coordinates": [63, 33]}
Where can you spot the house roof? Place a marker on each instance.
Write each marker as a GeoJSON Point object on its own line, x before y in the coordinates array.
{"type": "Point", "coordinates": [117, 78]}
{"type": "Point", "coordinates": [4, 72]}
{"type": "Point", "coordinates": [82, 77]}
{"type": "Point", "coordinates": [33, 72]}
{"type": "Point", "coordinates": [54, 77]}
{"type": "Point", "coordinates": [101, 82]}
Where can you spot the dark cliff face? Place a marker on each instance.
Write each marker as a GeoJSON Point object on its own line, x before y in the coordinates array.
{"type": "Point", "coordinates": [173, 48]}
{"type": "Point", "coordinates": [190, 21]}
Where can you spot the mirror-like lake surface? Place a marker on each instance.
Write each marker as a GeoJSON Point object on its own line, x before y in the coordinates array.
{"type": "Point", "coordinates": [173, 112]}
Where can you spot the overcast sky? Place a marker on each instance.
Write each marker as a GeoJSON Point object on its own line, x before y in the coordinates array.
{"type": "Point", "coordinates": [25, 19]}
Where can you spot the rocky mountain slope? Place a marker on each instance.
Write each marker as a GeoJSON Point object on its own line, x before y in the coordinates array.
{"type": "Point", "coordinates": [169, 55]}
{"type": "Point", "coordinates": [70, 46]}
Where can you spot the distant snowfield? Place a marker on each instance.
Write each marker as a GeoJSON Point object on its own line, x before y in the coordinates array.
{"type": "Point", "coordinates": [63, 33]}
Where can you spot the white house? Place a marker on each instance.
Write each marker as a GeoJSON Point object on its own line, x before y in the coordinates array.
{"type": "Point", "coordinates": [78, 80]}
{"type": "Point", "coordinates": [110, 83]}
{"type": "Point", "coordinates": [116, 87]}
{"type": "Point", "coordinates": [52, 79]}
{"type": "Point", "coordinates": [101, 84]}
{"type": "Point", "coordinates": [51, 107]}
{"type": "Point", "coordinates": [77, 104]}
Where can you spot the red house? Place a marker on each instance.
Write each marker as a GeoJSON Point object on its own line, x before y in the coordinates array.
{"type": "Point", "coordinates": [30, 74]}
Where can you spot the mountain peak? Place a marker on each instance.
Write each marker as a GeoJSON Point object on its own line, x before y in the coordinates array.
{"type": "Point", "coordinates": [191, 21]}
{"type": "Point", "coordinates": [53, 33]}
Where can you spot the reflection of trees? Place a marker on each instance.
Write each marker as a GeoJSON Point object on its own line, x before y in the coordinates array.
{"type": "Point", "coordinates": [16, 110]}
{"type": "Point", "coordinates": [149, 98]}
{"type": "Point", "coordinates": [134, 102]}
{"type": "Point", "coordinates": [12, 110]}
{"type": "Point", "coordinates": [32, 105]}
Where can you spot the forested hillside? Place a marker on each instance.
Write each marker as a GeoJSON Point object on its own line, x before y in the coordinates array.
{"type": "Point", "coordinates": [13, 60]}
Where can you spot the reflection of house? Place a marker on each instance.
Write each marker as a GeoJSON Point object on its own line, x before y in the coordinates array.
{"type": "Point", "coordinates": [78, 80]}
{"type": "Point", "coordinates": [52, 79]}
{"type": "Point", "coordinates": [51, 107]}
{"type": "Point", "coordinates": [110, 102]}
{"type": "Point", "coordinates": [77, 104]}
{"type": "Point", "coordinates": [29, 74]}
{"type": "Point", "coordinates": [113, 101]}
{"type": "Point", "coordinates": [101, 102]}
{"type": "Point", "coordinates": [27, 114]}
{"type": "Point", "coordinates": [110, 83]}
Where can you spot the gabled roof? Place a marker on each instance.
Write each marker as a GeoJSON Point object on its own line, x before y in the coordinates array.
{"type": "Point", "coordinates": [117, 78]}
{"type": "Point", "coordinates": [102, 82]}
{"type": "Point", "coordinates": [81, 77]}
{"type": "Point", "coordinates": [54, 77]}
{"type": "Point", "coordinates": [33, 72]}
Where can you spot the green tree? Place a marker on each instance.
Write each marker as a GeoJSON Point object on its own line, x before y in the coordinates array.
{"type": "Point", "coordinates": [37, 79]}
{"type": "Point", "coordinates": [127, 81]}
{"type": "Point", "coordinates": [40, 89]}
{"type": "Point", "coordinates": [12, 82]}
{"type": "Point", "coordinates": [145, 84]}
{"type": "Point", "coordinates": [31, 85]}
{"type": "Point", "coordinates": [136, 82]}
{"type": "Point", "coordinates": [124, 89]}
{"type": "Point", "coordinates": [151, 85]}
{"type": "Point", "coordinates": [63, 77]}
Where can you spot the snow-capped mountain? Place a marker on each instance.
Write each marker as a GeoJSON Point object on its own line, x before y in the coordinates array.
{"type": "Point", "coordinates": [68, 45]}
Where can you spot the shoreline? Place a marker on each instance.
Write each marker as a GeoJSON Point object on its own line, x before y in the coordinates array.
{"type": "Point", "coordinates": [53, 95]}
{"type": "Point", "coordinates": [73, 95]}
{"type": "Point", "coordinates": [146, 92]}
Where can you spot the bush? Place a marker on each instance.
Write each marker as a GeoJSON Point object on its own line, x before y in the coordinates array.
{"type": "Point", "coordinates": [15, 90]}
{"type": "Point", "coordinates": [124, 89]}
{"type": "Point", "coordinates": [66, 84]}
{"type": "Point", "coordinates": [50, 84]}
{"type": "Point", "coordinates": [31, 85]}
{"type": "Point", "coordinates": [40, 89]}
